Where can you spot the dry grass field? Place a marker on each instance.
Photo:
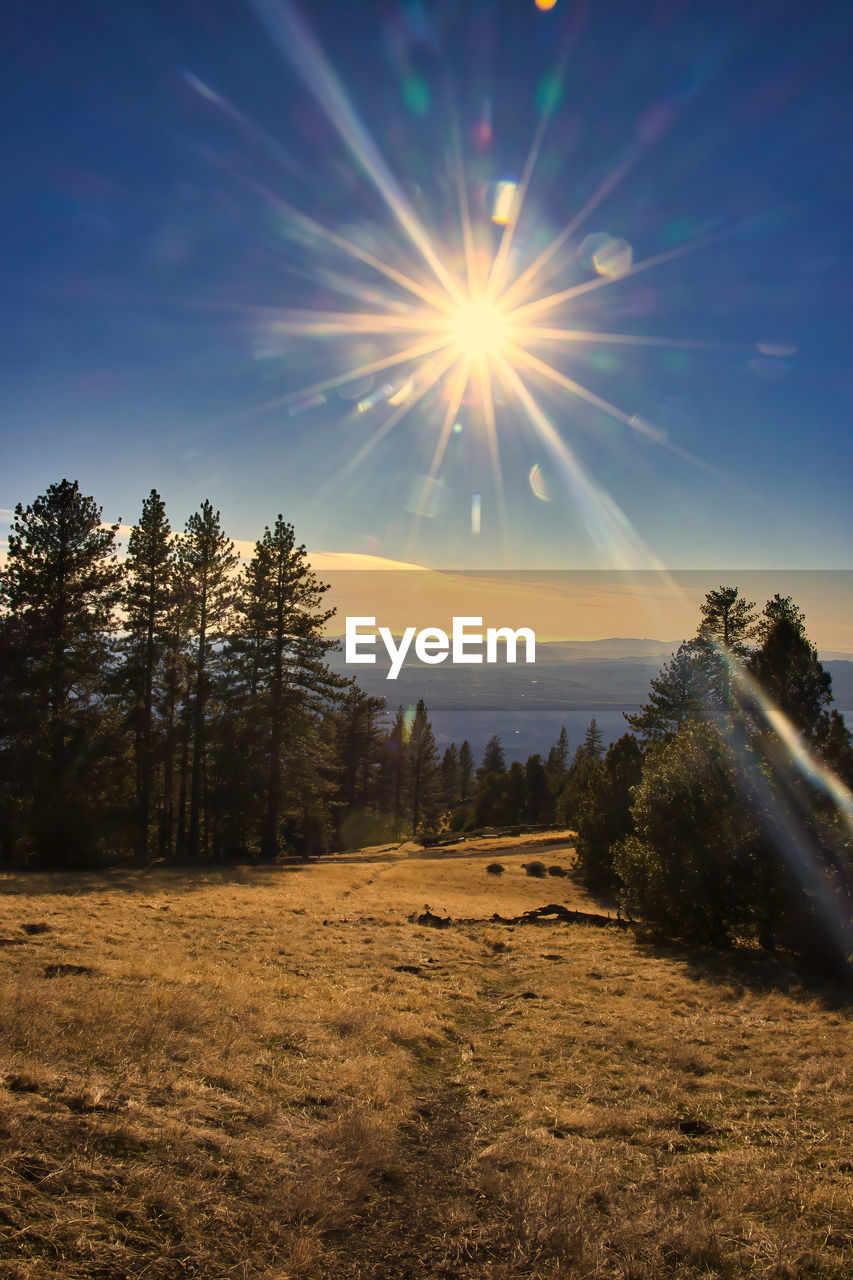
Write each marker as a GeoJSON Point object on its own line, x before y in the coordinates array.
{"type": "Point", "coordinates": [276, 1073]}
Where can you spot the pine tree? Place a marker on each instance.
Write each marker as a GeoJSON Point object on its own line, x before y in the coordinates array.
{"type": "Point", "coordinates": [205, 565]}
{"type": "Point", "coordinates": [558, 756]}
{"type": "Point", "coordinates": [787, 668]}
{"type": "Point", "coordinates": [556, 766]}
{"type": "Point", "coordinates": [359, 736]}
{"type": "Point", "coordinates": [490, 800]}
{"type": "Point", "coordinates": [540, 803]}
{"type": "Point", "coordinates": [493, 760]}
{"type": "Point", "coordinates": [58, 596]}
{"type": "Point", "coordinates": [449, 775]}
{"type": "Point", "coordinates": [733, 837]}
{"type": "Point", "coordinates": [593, 742]}
{"type": "Point", "coordinates": [688, 866]}
{"type": "Point", "coordinates": [514, 808]}
{"type": "Point", "coordinates": [728, 620]}
{"type": "Point", "coordinates": [676, 693]}
{"type": "Point", "coordinates": [174, 714]}
{"type": "Point", "coordinates": [147, 597]}
{"type": "Point", "coordinates": [396, 771]}
{"type": "Point", "coordinates": [282, 621]}
{"type": "Point", "coordinates": [604, 815]}
{"type": "Point", "coordinates": [696, 680]}
{"type": "Point", "coordinates": [359, 733]}
{"type": "Point", "coordinates": [834, 745]}
{"type": "Point", "coordinates": [466, 770]}
{"type": "Point", "coordinates": [584, 766]}
{"type": "Point", "coordinates": [423, 770]}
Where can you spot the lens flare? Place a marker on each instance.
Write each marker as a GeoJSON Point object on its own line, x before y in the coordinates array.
{"type": "Point", "coordinates": [478, 313]}
{"type": "Point", "coordinates": [474, 315]}
{"type": "Point", "coordinates": [478, 329]}
{"type": "Point", "coordinates": [503, 207]}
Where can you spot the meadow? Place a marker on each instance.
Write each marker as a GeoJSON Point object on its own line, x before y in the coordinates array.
{"type": "Point", "coordinates": [279, 1073]}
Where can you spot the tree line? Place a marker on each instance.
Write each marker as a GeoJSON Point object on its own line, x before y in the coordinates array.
{"type": "Point", "coordinates": [723, 815]}
{"type": "Point", "coordinates": [174, 704]}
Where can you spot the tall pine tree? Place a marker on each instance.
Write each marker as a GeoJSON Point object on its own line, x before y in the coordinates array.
{"type": "Point", "coordinates": [423, 770]}
{"type": "Point", "coordinates": [466, 770]}
{"type": "Point", "coordinates": [205, 565]}
{"type": "Point", "coordinates": [282, 619]}
{"type": "Point", "coordinates": [58, 596]}
{"type": "Point", "coordinates": [147, 597]}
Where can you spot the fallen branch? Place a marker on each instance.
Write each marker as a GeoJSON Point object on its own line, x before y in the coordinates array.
{"type": "Point", "coordinates": [551, 914]}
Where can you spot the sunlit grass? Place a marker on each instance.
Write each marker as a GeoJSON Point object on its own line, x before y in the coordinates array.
{"type": "Point", "coordinates": [276, 1073]}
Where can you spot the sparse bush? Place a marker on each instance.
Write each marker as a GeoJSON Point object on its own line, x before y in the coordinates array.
{"type": "Point", "coordinates": [495, 869]}
{"type": "Point", "coordinates": [537, 869]}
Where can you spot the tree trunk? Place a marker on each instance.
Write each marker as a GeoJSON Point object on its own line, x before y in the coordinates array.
{"type": "Point", "coordinates": [198, 737]}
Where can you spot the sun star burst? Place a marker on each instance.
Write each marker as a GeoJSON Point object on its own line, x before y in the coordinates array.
{"type": "Point", "coordinates": [471, 320]}
{"type": "Point", "coordinates": [478, 328]}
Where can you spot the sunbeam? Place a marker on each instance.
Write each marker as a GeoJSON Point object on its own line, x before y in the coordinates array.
{"type": "Point", "coordinates": [477, 309]}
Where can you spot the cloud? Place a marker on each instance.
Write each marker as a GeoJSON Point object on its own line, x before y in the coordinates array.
{"type": "Point", "coordinates": [320, 561]}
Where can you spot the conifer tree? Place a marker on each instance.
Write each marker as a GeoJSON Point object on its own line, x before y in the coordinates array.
{"type": "Point", "coordinates": [733, 838]}
{"type": "Point", "coordinates": [593, 742]}
{"type": "Point", "coordinates": [466, 770]}
{"type": "Point", "coordinates": [205, 570]}
{"type": "Point", "coordinates": [676, 693]}
{"type": "Point", "coordinates": [514, 794]}
{"type": "Point", "coordinates": [558, 756]}
{"type": "Point", "coordinates": [174, 714]}
{"type": "Point", "coordinates": [586, 762]}
{"type": "Point", "coordinates": [58, 595]}
{"type": "Point", "coordinates": [359, 735]}
{"type": "Point", "coordinates": [604, 814]}
{"type": "Point", "coordinates": [726, 628]}
{"type": "Point", "coordinates": [834, 745]}
{"type": "Point", "coordinates": [423, 769]}
{"type": "Point", "coordinates": [282, 619]}
{"type": "Point", "coordinates": [786, 666]}
{"type": "Point", "coordinates": [688, 865]}
{"type": "Point", "coordinates": [147, 597]}
{"type": "Point", "coordinates": [493, 760]}
{"type": "Point", "coordinates": [397, 770]}
{"type": "Point", "coordinates": [539, 803]}
{"type": "Point", "coordinates": [557, 763]}
{"type": "Point", "coordinates": [449, 775]}
{"type": "Point", "coordinates": [727, 619]}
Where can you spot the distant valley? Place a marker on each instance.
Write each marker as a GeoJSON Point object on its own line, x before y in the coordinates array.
{"type": "Point", "coordinates": [571, 681]}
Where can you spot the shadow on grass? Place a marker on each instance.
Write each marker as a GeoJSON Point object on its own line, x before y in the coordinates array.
{"type": "Point", "coordinates": [759, 971]}
{"type": "Point", "coordinates": [158, 878]}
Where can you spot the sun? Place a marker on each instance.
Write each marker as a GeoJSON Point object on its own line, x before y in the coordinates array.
{"type": "Point", "coordinates": [478, 329]}
{"type": "Point", "coordinates": [470, 316]}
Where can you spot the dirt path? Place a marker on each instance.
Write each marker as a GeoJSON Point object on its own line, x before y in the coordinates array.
{"type": "Point", "coordinates": [428, 1220]}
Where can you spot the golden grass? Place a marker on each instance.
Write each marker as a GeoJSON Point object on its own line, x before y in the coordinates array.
{"type": "Point", "coordinates": [274, 1073]}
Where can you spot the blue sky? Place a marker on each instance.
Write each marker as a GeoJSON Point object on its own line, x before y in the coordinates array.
{"type": "Point", "coordinates": [162, 159]}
